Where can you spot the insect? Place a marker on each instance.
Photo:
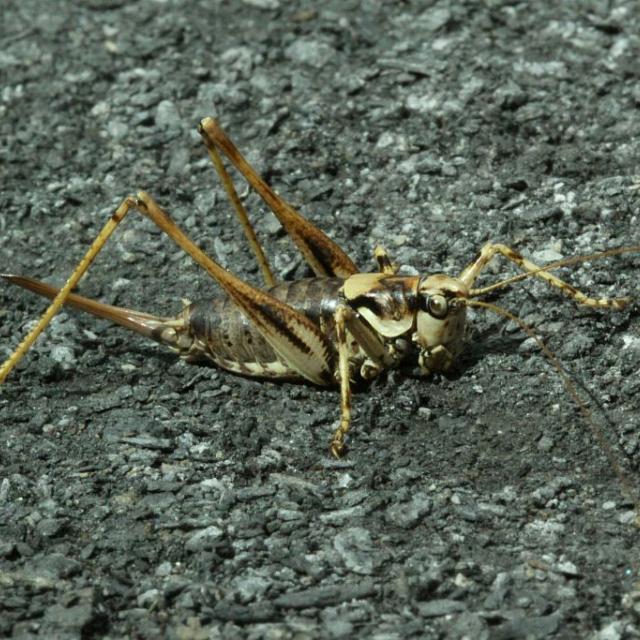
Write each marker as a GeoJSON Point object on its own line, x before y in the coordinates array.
{"type": "Point", "coordinates": [330, 329]}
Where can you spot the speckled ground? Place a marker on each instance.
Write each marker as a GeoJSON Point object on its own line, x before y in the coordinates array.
{"type": "Point", "coordinates": [143, 497]}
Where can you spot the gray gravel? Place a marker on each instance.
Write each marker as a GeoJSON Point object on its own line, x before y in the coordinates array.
{"type": "Point", "coordinates": [143, 497]}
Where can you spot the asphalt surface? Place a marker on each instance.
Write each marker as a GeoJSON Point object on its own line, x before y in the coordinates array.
{"type": "Point", "coordinates": [144, 497]}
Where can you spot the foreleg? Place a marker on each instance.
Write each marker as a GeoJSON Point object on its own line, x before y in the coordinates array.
{"type": "Point", "coordinates": [471, 273]}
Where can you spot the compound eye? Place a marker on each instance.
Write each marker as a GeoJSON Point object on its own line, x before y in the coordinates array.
{"type": "Point", "coordinates": [437, 306]}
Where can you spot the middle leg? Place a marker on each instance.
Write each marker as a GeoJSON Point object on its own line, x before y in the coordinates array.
{"type": "Point", "coordinates": [384, 262]}
{"type": "Point", "coordinates": [378, 356]}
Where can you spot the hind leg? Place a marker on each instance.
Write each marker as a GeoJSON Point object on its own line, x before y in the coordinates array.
{"type": "Point", "coordinates": [322, 254]}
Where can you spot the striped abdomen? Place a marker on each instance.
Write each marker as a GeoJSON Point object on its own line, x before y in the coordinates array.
{"type": "Point", "coordinates": [222, 333]}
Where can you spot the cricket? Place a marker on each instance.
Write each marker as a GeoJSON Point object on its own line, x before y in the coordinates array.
{"type": "Point", "coordinates": [333, 329]}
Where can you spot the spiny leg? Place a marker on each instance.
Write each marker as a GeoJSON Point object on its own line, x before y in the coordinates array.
{"type": "Point", "coordinates": [170, 331]}
{"type": "Point", "coordinates": [294, 337]}
{"type": "Point", "coordinates": [242, 216]}
{"type": "Point", "coordinates": [73, 280]}
{"type": "Point", "coordinates": [344, 371]}
{"type": "Point", "coordinates": [471, 273]}
{"type": "Point", "coordinates": [322, 254]}
{"type": "Point", "coordinates": [378, 355]}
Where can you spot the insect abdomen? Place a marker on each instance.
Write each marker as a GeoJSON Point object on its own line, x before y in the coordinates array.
{"type": "Point", "coordinates": [222, 333]}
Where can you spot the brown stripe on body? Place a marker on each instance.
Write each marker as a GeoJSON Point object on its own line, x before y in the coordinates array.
{"type": "Point", "coordinates": [229, 339]}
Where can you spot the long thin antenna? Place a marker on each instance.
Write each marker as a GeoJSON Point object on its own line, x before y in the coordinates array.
{"type": "Point", "coordinates": [601, 439]}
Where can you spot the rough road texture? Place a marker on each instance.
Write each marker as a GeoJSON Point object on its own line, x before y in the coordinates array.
{"type": "Point", "coordinates": [140, 496]}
